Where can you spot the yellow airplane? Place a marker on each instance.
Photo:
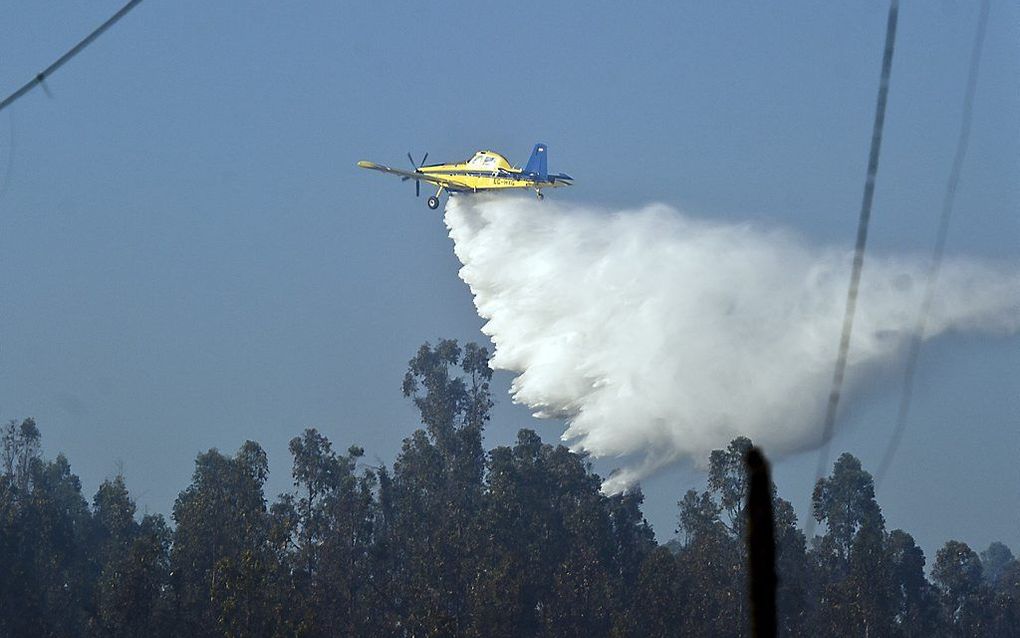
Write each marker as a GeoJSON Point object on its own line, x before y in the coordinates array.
{"type": "Point", "coordinates": [487, 170]}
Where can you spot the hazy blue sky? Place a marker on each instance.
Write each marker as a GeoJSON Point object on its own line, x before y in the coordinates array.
{"type": "Point", "coordinates": [190, 257]}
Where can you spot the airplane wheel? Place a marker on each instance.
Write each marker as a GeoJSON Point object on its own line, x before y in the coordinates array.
{"type": "Point", "coordinates": [433, 203]}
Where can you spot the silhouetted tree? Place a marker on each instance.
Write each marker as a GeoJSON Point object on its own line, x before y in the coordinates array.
{"type": "Point", "coordinates": [857, 588]}
{"type": "Point", "coordinates": [435, 496]}
{"type": "Point", "coordinates": [48, 582]}
{"type": "Point", "coordinates": [957, 573]}
{"type": "Point", "coordinates": [451, 541]}
{"type": "Point", "coordinates": [995, 561]}
{"type": "Point", "coordinates": [727, 482]}
{"type": "Point", "coordinates": [334, 532]}
{"type": "Point", "coordinates": [131, 601]}
{"type": "Point", "coordinates": [221, 563]}
{"type": "Point", "coordinates": [710, 557]}
{"type": "Point", "coordinates": [19, 448]}
{"type": "Point", "coordinates": [916, 601]}
{"type": "Point", "coordinates": [656, 609]}
{"type": "Point", "coordinates": [792, 568]}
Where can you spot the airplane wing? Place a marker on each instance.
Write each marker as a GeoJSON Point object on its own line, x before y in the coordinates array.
{"type": "Point", "coordinates": [439, 180]}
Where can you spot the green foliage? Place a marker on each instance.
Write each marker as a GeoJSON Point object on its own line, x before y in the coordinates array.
{"type": "Point", "coordinates": [656, 610]}
{"type": "Point", "coordinates": [858, 588]}
{"type": "Point", "coordinates": [130, 599]}
{"type": "Point", "coordinates": [995, 561]}
{"type": "Point", "coordinates": [957, 570]}
{"type": "Point", "coordinates": [728, 481]}
{"type": "Point", "coordinates": [332, 525]}
{"type": "Point", "coordinates": [845, 502]}
{"type": "Point", "coordinates": [957, 574]}
{"type": "Point", "coordinates": [561, 558]}
{"type": "Point", "coordinates": [454, 541]}
{"type": "Point", "coordinates": [19, 449]}
{"type": "Point", "coordinates": [916, 610]}
{"type": "Point", "coordinates": [220, 560]}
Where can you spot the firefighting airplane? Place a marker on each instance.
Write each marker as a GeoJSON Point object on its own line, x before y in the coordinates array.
{"type": "Point", "coordinates": [487, 170]}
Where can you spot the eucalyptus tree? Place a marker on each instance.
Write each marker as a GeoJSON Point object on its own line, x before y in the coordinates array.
{"type": "Point", "coordinates": [432, 503]}
{"type": "Point", "coordinates": [858, 594]}
{"type": "Point", "coordinates": [335, 510]}
{"type": "Point", "coordinates": [222, 566]}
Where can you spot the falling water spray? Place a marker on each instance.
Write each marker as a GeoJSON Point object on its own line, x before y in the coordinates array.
{"type": "Point", "coordinates": [658, 336]}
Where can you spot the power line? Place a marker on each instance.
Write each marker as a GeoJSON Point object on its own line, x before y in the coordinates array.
{"type": "Point", "coordinates": [935, 267]}
{"type": "Point", "coordinates": [75, 50]}
{"type": "Point", "coordinates": [862, 239]}
{"type": "Point", "coordinates": [9, 167]}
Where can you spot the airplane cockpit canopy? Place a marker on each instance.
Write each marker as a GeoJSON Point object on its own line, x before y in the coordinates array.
{"type": "Point", "coordinates": [488, 161]}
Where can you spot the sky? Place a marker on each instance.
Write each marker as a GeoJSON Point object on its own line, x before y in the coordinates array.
{"type": "Point", "coordinates": [190, 258]}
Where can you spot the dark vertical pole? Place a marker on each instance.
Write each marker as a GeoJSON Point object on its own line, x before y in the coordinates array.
{"type": "Point", "coordinates": [761, 545]}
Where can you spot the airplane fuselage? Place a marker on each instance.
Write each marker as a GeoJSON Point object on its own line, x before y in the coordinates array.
{"type": "Point", "coordinates": [486, 170]}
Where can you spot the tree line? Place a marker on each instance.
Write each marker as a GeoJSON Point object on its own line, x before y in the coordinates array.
{"type": "Point", "coordinates": [456, 541]}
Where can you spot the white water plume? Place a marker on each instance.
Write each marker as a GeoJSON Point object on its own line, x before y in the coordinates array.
{"type": "Point", "coordinates": [658, 336]}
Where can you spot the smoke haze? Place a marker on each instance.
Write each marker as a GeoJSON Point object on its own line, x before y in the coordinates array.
{"type": "Point", "coordinates": [659, 336]}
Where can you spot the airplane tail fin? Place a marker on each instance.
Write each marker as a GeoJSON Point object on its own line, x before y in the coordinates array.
{"type": "Point", "coordinates": [538, 164]}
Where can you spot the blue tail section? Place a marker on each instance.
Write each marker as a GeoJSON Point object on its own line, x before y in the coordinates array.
{"type": "Point", "coordinates": [538, 165]}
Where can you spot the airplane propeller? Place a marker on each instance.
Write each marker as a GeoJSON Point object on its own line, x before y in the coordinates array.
{"type": "Point", "coordinates": [417, 184]}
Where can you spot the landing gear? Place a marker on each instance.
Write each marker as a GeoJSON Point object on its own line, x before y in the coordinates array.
{"type": "Point", "coordinates": [539, 195]}
{"type": "Point", "coordinates": [434, 200]}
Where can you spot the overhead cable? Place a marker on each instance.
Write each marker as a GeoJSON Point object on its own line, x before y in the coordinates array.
{"type": "Point", "coordinates": [934, 268]}
{"type": "Point", "coordinates": [862, 239]}
{"type": "Point", "coordinates": [75, 50]}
